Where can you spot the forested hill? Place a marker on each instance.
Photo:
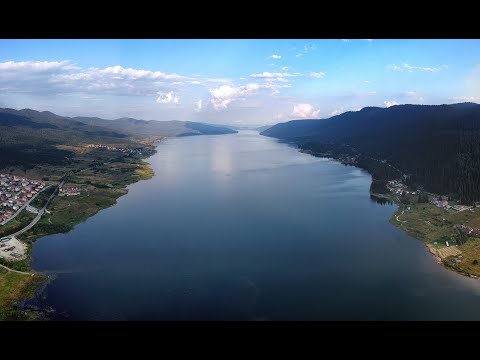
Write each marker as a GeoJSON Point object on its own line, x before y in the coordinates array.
{"type": "Point", "coordinates": [437, 145]}
{"type": "Point", "coordinates": [29, 137]}
{"type": "Point", "coordinates": [34, 126]}
{"type": "Point", "coordinates": [157, 128]}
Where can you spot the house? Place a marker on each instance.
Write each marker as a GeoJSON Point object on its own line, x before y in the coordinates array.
{"type": "Point", "coordinates": [69, 191]}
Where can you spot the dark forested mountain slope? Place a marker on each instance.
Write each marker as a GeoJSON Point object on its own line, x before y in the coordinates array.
{"type": "Point", "coordinates": [52, 126]}
{"type": "Point", "coordinates": [434, 144]}
{"type": "Point", "coordinates": [29, 137]}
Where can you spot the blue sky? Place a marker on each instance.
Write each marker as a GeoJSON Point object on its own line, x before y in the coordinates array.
{"type": "Point", "coordinates": [238, 82]}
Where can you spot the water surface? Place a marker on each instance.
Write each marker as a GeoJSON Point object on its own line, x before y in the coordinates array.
{"type": "Point", "coordinates": [241, 227]}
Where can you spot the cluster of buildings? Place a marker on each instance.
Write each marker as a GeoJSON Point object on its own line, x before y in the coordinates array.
{"type": "Point", "coordinates": [443, 204]}
{"type": "Point", "coordinates": [461, 207]}
{"type": "Point", "coordinates": [440, 202]}
{"type": "Point", "coordinates": [15, 192]}
{"type": "Point", "coordinates": [68, 191]}
{"type": "Point", "coordinates": [397, 187]}
{"type": "Point", "coordinates": [351, 160]}
{"type": "Point", "coordinates": [113, 148]}
{"type": "Point", "coordinates": [469, 230]}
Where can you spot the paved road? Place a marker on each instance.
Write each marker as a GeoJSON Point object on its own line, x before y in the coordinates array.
{"type": "Point", "coordinates": [24, 205]}
{"type": "Point", "coordinates": [16, 271]}
{"type": "Point", "coordinates": [39, 215]}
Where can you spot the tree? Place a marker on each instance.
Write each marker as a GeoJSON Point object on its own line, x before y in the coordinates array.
{"type": "Point", "coordinates": [378, 187]}
{"type": "Point", "coordinates": [422, 198]}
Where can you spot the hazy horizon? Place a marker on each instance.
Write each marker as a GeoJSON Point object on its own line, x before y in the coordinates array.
{"type": "Point", "coordinates": [246, 126]}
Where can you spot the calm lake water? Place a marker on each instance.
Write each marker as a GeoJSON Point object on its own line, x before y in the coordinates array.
{"type": "Point", "coordinates": [241, 227]}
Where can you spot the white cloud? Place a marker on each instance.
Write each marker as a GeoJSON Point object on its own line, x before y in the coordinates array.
{"type": "Point", "coordinates": [336, 112]}
{"type": "Point", "coordinates": [309, 47]}
{"type": "Point", "coordinates": [61, 77]}
{"type": "Point", "coordinates": [409, 68]}
{"type": "Point", "coordinates": [168, 98]}
{"type": "Point", "coordinates": [118, 73]}
{"type": "Point", "coordinates": [304, 111]}
{"type": "Point", "coordinates": [474, 99]}
{"type": "Point", "coordinates": [369, 40]}
{"type": "Point", "coordinates": [366, 81]}
{"type": "Point", "coordinates": [346, 40]}
{"type": "Point", "coordinates": [218, 81]}
{"type": "Point", "coordinates": [389, 103]}
{"type": "Point", "coordinates": [306, 49]}
{"type": "Point", "coordinates": [410, 96]}
{"type": "Point", "coordinates": [266, 75]}
{"type": "Point", "coordinates": [36, 66]}
{"type": "Point", "coordinates": [224, 95]}
{"type": "Point", "coordinates": [285, 68]}
{"type": "Point", "coordinates": [279, 79]}
{"type": "Point", "coordinates": [317, 75]}
{"type": "Point", "coordinates": [198, 105]}
{"type": "Point", "coordinates": [276, 57]}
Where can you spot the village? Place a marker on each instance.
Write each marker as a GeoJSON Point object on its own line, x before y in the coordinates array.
{"type": "Point", "coordinates": [15, 193]}
{"type": "Point", "coordinates": [125, 150]}
{"type": "Point", "coordinates": [398, 188]}
{"type": "Point", "coordinates": [440, 201]}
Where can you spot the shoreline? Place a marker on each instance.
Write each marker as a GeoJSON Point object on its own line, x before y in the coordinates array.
{"type": "Point", "coordinates": [25, 305]}
{"type": "Point", "coordinates": [397, 224]}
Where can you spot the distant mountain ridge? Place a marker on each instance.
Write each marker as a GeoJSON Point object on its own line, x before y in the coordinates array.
{"type": "Point", "coordinates": [29, 137]}
{"type": "Point", "coordinates": [435, 144]}
{"type": "Point", "coordinates": [157, 128]}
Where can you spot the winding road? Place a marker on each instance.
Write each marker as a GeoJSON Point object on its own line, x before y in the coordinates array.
{"type": "Point", "coordinates": [16, 271]}
{"type": "Point", "coordinates": [40, 212]}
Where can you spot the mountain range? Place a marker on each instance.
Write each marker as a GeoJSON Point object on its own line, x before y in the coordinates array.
{"type": "Point", "coordinates": [137, 127]}
{"type": "Point", "coordinates": [438, 146]}
{"type": "Point", "coordinates": [29, 137]}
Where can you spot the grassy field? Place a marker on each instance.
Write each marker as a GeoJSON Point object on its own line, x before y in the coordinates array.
{"type": "Point", "coordinates": [17, 223]}
{"type": "Point", "coordinates": [14, 286]}
{"type": "Point", "coordinates": [435, 226]}
{"type": "Point", "coordinates": [100, 184]}
{"type": "Point", "coordinates": [42, 198]}
{"type": "Point", "coordinates": [426, 222]}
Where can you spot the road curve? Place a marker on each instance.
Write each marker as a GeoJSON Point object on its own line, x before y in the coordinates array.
{"type": "Point", "coordinates": [16, 271]}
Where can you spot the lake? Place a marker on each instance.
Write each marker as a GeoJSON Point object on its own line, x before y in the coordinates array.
{"type": "Point", "coordinates": [242, 227]}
